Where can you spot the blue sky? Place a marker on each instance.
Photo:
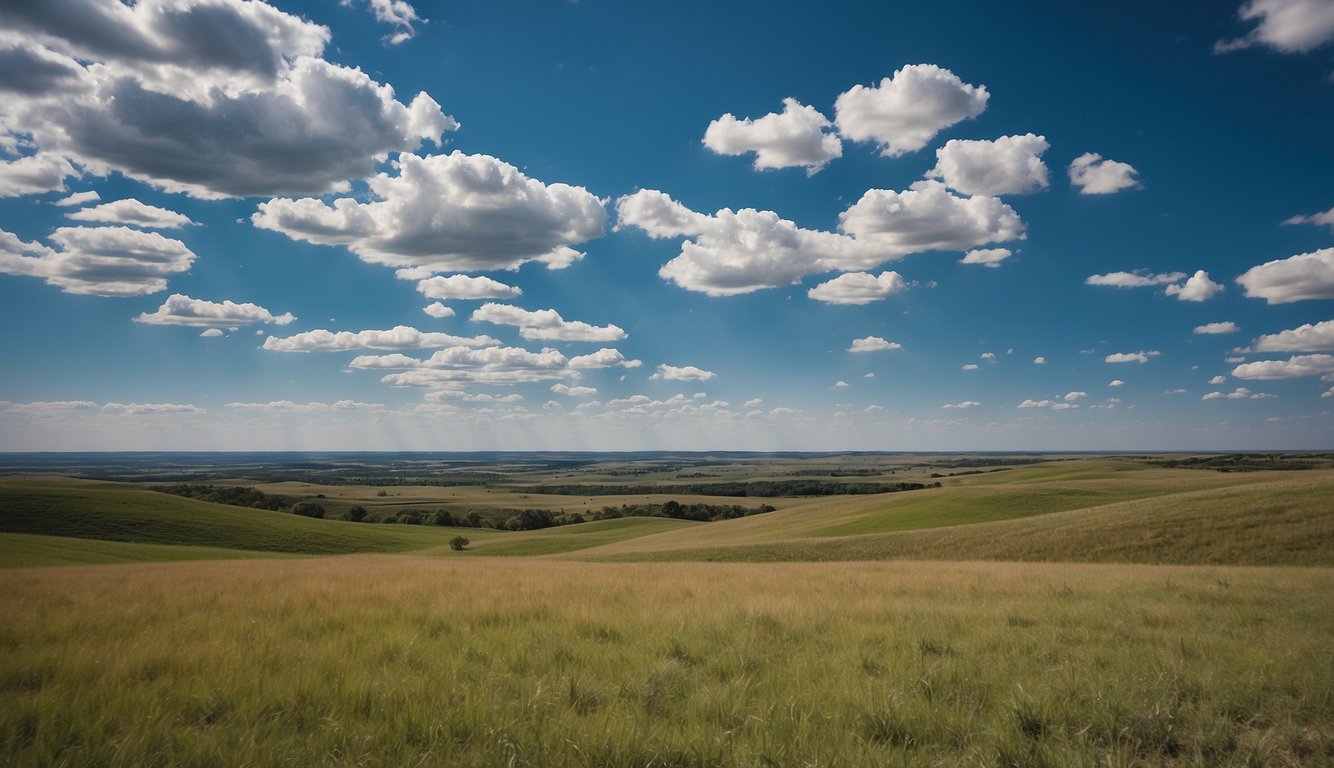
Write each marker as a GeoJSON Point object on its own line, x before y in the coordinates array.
{"type": "Point", "coordinates": [851, 225]}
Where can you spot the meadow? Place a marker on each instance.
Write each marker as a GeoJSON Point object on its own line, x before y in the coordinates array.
{"type": "Point", "coordinates": [1094, 612]}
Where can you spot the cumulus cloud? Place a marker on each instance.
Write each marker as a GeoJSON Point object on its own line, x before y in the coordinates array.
{"type": "Point", "coordinates": [151, 409]}
{"type": "Point", "coordinates": [398, 337]}
{"type": "Point", "coordinates": [438, 310]}
{"type": "Point", "coordinates": [1311, 337]}
{"type": "Point", "coordinates": [969, 367]}
{"type": "Point", "coordinates": [906, 110]}
{"type": "Point", "coordinates": [735, 252]}
{"type": "Point", "coordinates": [1070, 397]}
{"type": "Point", "coordinates": [1240, 393]}
{"type": "Point", "coordinates": [292, 407]}
{"type": "Point", "coordinates": [180, 309]}
{"type": "Point", "coordinates": [1298, 278]}
{"type": "Point", "coordinates": [603, 358]}
{"type": "Point", "coordinates": [966, 404]}
{"type": "Point", "coordinates": [1137, 279]}
{"type": "Point", "coordinates": [1055, 405]}
{"type": "Point", "coordinates": [545, 324]}
{"type": "Point", "coordinates": [1216, 328]}
{"type": "Point", "coordinates": [990, 357]}
{"type": "Point", "coordinates": [873, 344]}
{"type": "Point", "coordinates": [1217, 380]}
{"type": "Point", "coordinates": [437, 395]}
{"type": "Point", "coordinates": [212, 333]}
{"type": "Point", "coordinates": [1039, 360]}
{"type": "Point", "coordinates": [795, 138]}
{"type": "Point", "coordinates": [987, 257]}
{"type": "Point", "coordinates": [1198, 288]}
{"type": "Point", "coordinates": [98, 261]}
{"type": "Point", "coordinates": [858, 288]}
{"type": "Point", "coordinates": [34, 174]}
{"type": "Point", "coordinates": [682, 373]}
{"type": "Point", "coordinates": [568, 391]}
{"type": "Point", "coordinates": [1010, 165]}
{"type": "Point", "coordinates": [134, 213]}
{"type": "Point", "coordinates": [400, 14]}
{"type": "Point", "coordinates": [493, 365]}
{"type": "Point", "coordinates": [1289, 26]}
{"type": "Point", "coordinates": [926, 217]}
{"type": "Point", "coordinates": [448, 212]}
{"type": "Point", "coordinates": [1116, 383]}
{"type": "Point", "coordinates": [465, 287]}
{"type": "Point", "coordinates": [840, 384]}
{"type": "Point", "coordinates": [79, 198]}
{"type": "Point", "coordinates": [1325, 218]}
{"type": "Point", "coordinates": [252, 108]}
{"type": "Point", "coordinates": [1294, 367]}
{"type": "Point", "coordinates": [1095, 176]}
{"type": "Point", "coordinates": [1131, 357]}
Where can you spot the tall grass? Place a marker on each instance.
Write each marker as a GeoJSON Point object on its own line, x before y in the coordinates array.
{"type": "Point", "coordinates": [399, 660]}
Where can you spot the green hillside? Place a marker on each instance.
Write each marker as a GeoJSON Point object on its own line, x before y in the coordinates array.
{"type": "Point", "coordinates": [25, 550]}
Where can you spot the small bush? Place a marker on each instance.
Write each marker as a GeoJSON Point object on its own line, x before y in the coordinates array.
{"type": "Point", "coordinates": [458, 543]}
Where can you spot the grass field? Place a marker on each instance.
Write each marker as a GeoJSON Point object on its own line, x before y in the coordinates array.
{"type": "Point", "coordinates": [904, 629]}
{"type": "Point", "coordinates": [398, 660]}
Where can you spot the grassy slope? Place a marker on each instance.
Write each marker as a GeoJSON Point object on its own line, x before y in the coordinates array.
{"type": "Point", "coordinates": [111, 512]}
{"type": "Point", "coordinates": [23, 550]}
{"type": "Point", "coordinates": [571, 538]}
{"type": "Point", "coordinates": [1270, 521]}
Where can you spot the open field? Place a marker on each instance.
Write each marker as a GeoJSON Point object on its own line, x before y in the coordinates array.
{"type": "Point", "coordinates": [397, 660]}
{"type": "Point", "coordinates": [1088, 611]}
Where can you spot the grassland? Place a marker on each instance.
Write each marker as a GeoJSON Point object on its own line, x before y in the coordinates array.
{"type": "Point", "coordinates": [379, 660]}
{"type": "Point", "coordinates": [1086, 612]}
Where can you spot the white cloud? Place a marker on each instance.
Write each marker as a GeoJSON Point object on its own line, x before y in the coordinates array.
{"type": "Point", "coordinates": [212, 333]}
{"type": "Point", "coordinates": [1292, 368]}
{"type": "Point", "coordinates": [751, 403]}
{"type": "Point", "coordinates": [98, 261]}
{"type": "Point", "coordinates": [1217, 381]}
{"type": "Point", "coordinates": [492, 365]}
{"type": "Point", "coordinates": [926, 217]}
{"type": "Point", "coordinates": [1297, 278]}
{"type": "Point", "coordinates": [840, 384]}
{"type": "Point", "coordinates": [438, 395]}
{"type": "Point", "coordinates": [987, 257]}
{"type": "Point", "coordinates": [1240, 393]}
{"type": "Point", "coordinates": [1116, 383]}
{"type": "Point", "coordinates": [1322, 218]}
{"type": "Point", "coordinates": [906, 110]}
{"type": "Point", "coordinates": [970, 367]}
{"type": "Point", "coordinates": [438, 310]}
{"type": "Point", "coordinates": [399, 337]}
{"type": "Point", "coordinates": [150, 409]}
{"type": "Point", "coordinates": [79, 198]}
{"type": "Point", "coordinates": [1198, 288]}
{"type": "Point", "coordinates": [1289, 26]}
{"type": "Point", "coordinates": [1318, 337]}
{"type": "Point", "coordinates": [291, 407]}
{"type": "Point", "coordinates": [568, 391]}
{"type": "Point", "coordinates": [1010, 165]}
{"type": "Point", "coordinates": [1136, 279]}
{"type": "Point", "coordinates": [258, 115]}
{"type": "Point", "coordinates": [545, 324]}
{"type": "Point", "coordinates": [1131, 357]}
{"type": "Point", "coordinates": [464, 287]}
{"type": "Point", "coordinates": [603, 358]}
{"type": "Point", "coordinates": [858, 288]}
{"type": "Point", "coordinates": [1176, 391]}
{"type": "Point", "coordinates": [683, 373]}
{"type": "Point", "coordinates": [1051, 404]}
{"type": "Point", "coordinates": [1039, 360]}
{"type": "Point", "coordinates": [1217, 328]}
{"type": "Point", "coordinates": [966, 404]}
{"type": "Point", "coordinates": [795, 138]}
{"type": "Point", "coordinates": [448, 212]}
{"type": "Point", "coordinates": [873, 344]}
{"type": "Point", "coordinates": [737, 252]}
{"type": "Point", "coordinates": [1070, 397]}
{"type": "Point", "coordinates": [989, 356]}
{"type": "Point", "coordinates": [34, 174]}
{"type": "Point", "coordinates": [180, 309]}
{"type": "Point", "coordinates": [398, 13]}
{"type": "Point", "coordinates": [1095, 176]}
{"type": "Point", "coordinates": [133, 213]}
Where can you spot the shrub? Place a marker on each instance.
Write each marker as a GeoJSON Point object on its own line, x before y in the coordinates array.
{"type": "Point", "coordinates": [458, 543]}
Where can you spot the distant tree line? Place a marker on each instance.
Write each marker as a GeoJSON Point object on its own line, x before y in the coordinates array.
{"type": "Point", "coordinates": [757, 488]}
{"type": "Point", "coordinates": [704, 513]}
{"type": "Point", "coordinates": [231, 495]}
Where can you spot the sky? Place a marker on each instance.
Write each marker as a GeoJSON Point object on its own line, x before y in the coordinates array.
{"type": "Point", "coordinates": [595, 225]}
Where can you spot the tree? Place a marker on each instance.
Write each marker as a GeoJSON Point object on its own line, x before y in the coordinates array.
{"type": "Point", "coordinates": [308, 509]}
{"type": "Point", "coordinates": [356, 514]}
{"type": "Point", "coordinates": [458, 543]}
